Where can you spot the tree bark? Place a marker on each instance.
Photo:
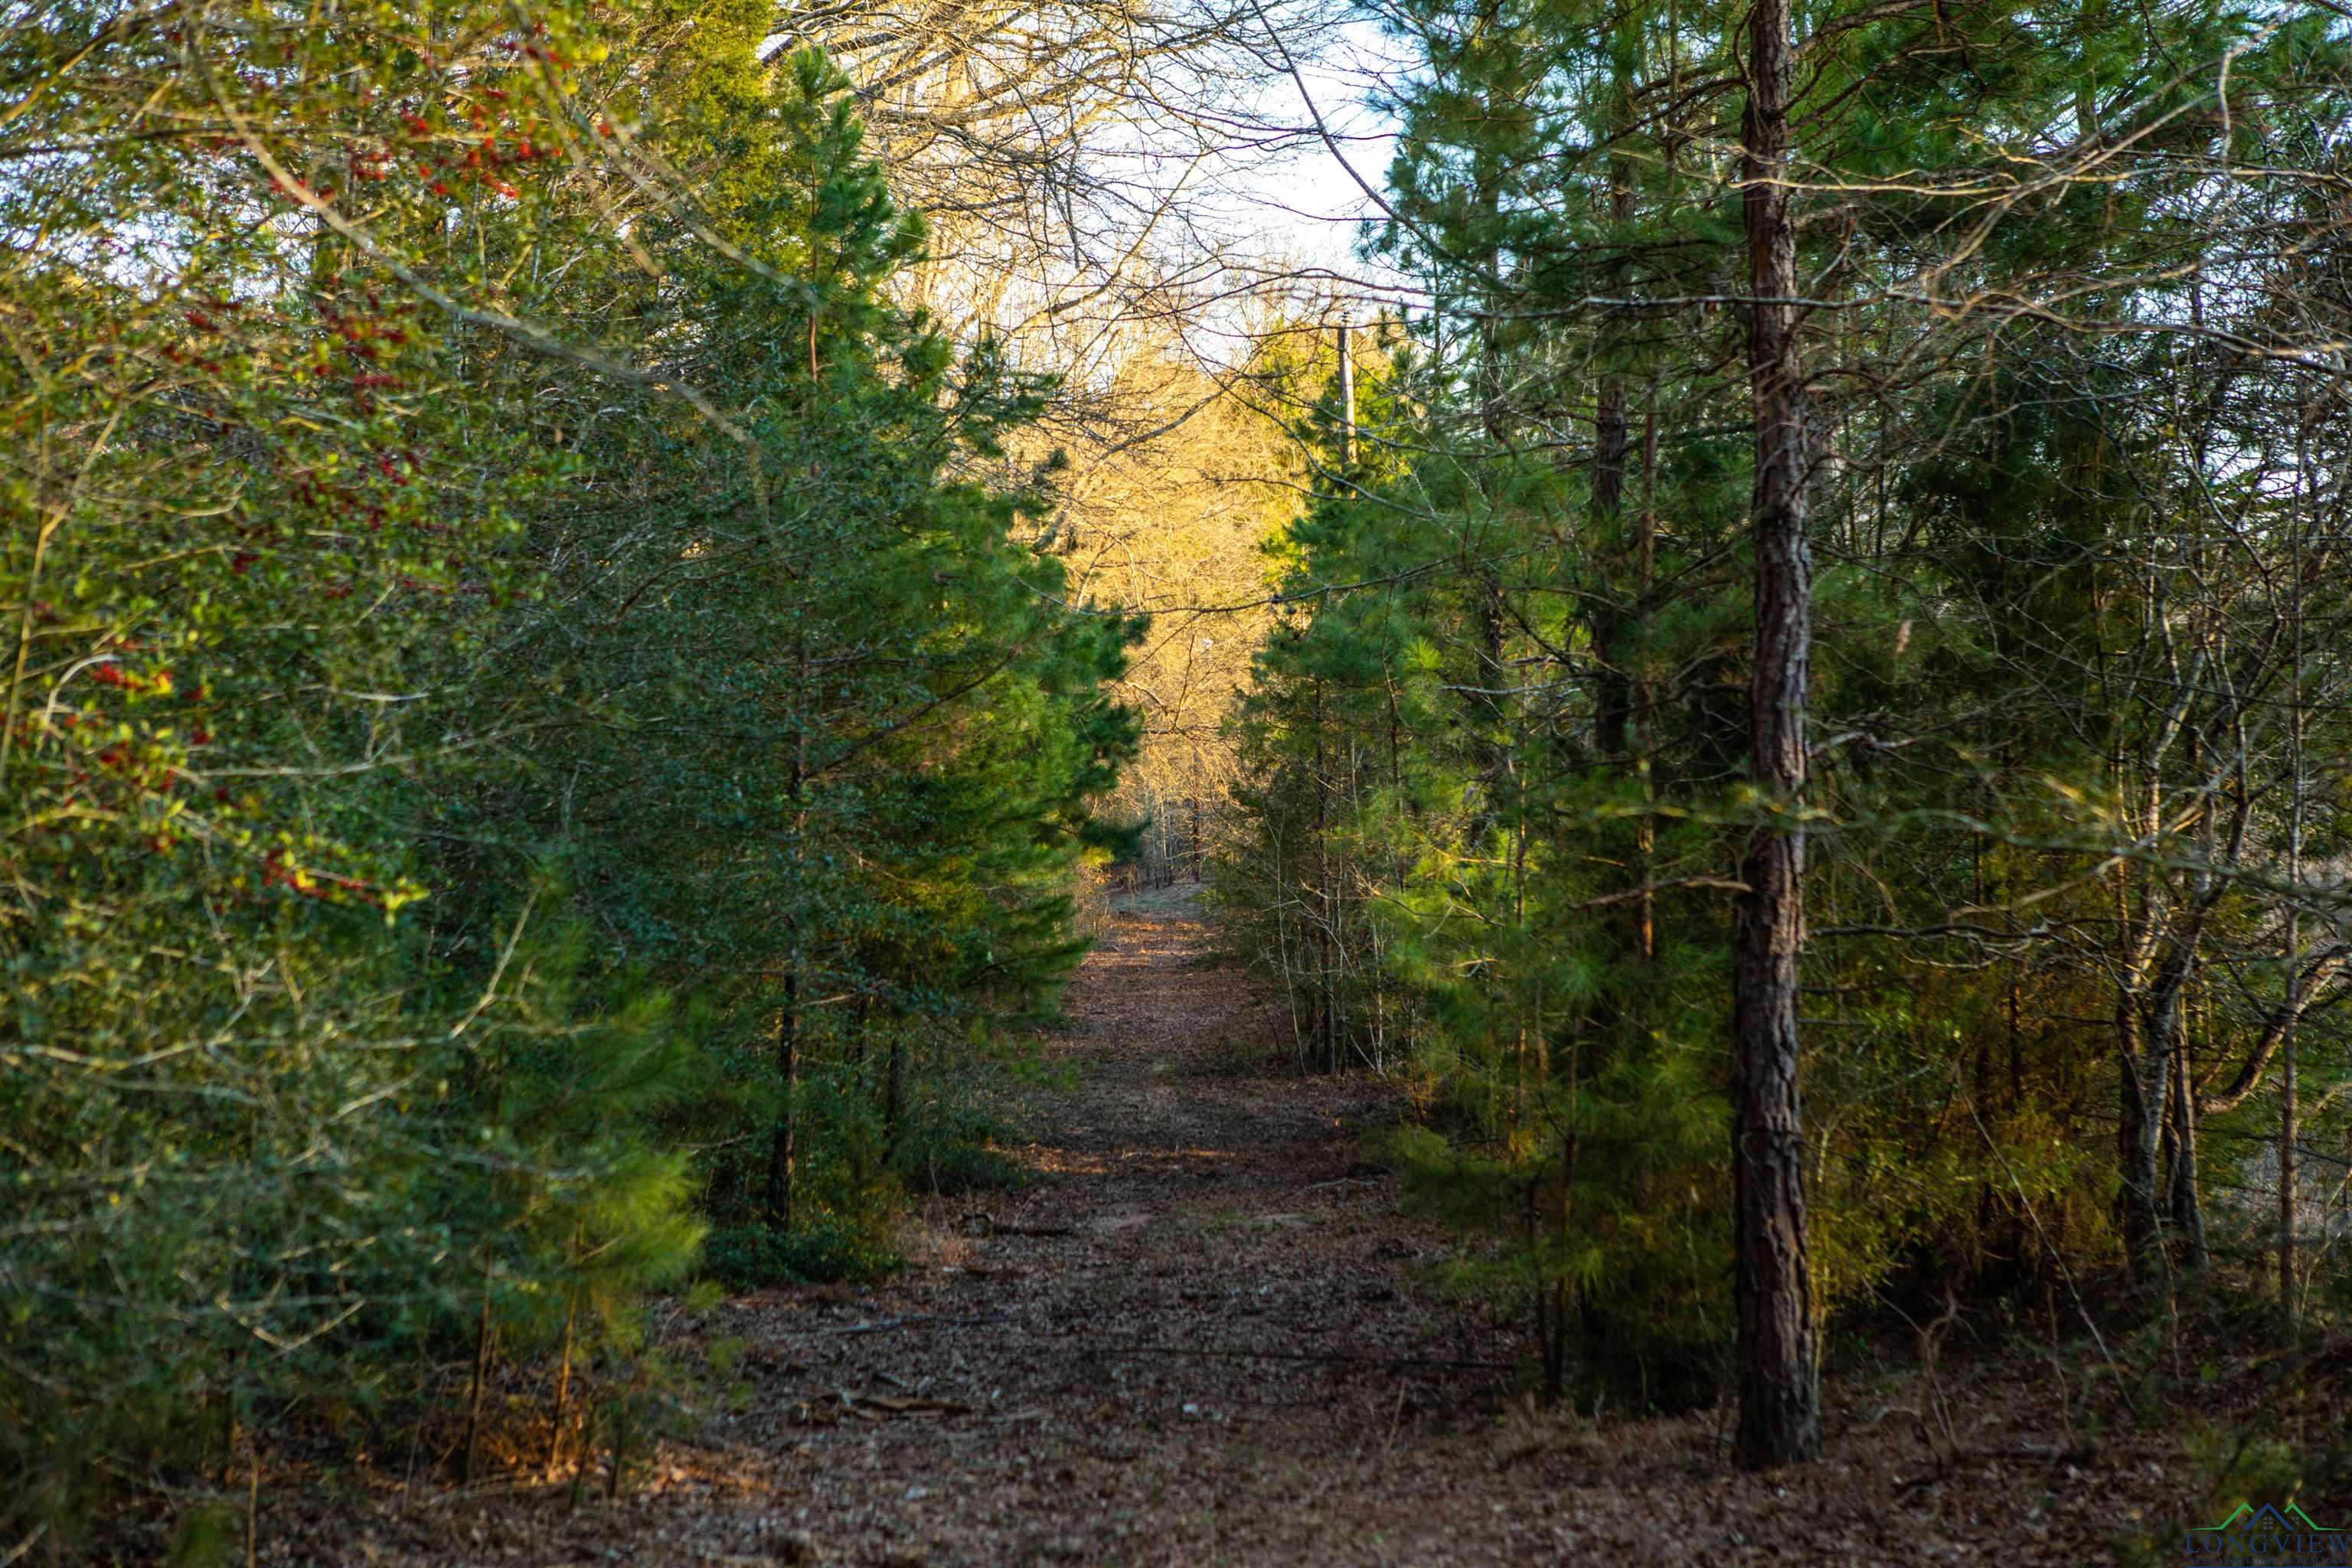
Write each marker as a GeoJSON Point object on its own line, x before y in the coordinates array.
{"type": "Point", "coordinates": [1645, 735]}
{"type": "Point", "coordinates": [1612, 681]}
{"type": "Point", "coordinates": [1614, 684]}
{"type": "Point", "coordinates": [2148, 1025]}
{"type": "Point", "coordinates": [780, 1152]}
{"type": "Point", "coordinates": [2184, 1207]}
{"type": "Point", "coordinates": [1779, 1403]}
{"type": "Point", "coordinates": [2289, 1314]}
{"type": "Point", "coordinates": [474, 1394]}
{"type": "Point", "coordinates": [2137, 1130]}
{"type": "Point", "coordinates": [1347, 399]}
{"type": "Point", "coordinates": [894, 1093]}
{"type": "Point", "coordinates": [782, 1137]}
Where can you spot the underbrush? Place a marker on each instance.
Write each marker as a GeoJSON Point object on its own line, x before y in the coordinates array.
{"type": "Point", "coordinates": [2251, 1414]}
{"type": "Point", "coordinates": [817, 1250]}
{"type": "Point", "coordinates": [574, 1400]}
{"type": "Point", "coordinates": [865, 1146]}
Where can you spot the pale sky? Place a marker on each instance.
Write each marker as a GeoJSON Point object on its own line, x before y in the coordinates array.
{"type": "Point", "coordinates": [1305, 210]}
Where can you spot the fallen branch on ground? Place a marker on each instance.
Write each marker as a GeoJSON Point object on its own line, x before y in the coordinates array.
{"type": "Point", "coordinates": [981, 1224]}
{"type": "Point", "coordinates": [1221, 1352]}
{"type": "Point", "coordinates": [884, 1324]}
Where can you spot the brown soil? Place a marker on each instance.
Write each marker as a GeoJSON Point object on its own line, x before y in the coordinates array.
{"type": "Point", "coordinates": [1209, 1335]}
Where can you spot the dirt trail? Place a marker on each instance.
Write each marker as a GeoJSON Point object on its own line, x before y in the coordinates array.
{"type": "Point", "coordinates": [1197, 1339]}
{"type": "Point", "coordinates": [1207, 1335]}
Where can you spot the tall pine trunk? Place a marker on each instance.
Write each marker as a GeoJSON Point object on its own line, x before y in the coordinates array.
{"type": "Point", "coordinates": [783, 1134]}
{"type": "Point", "coordinates": [783, 1137]}
{"type": "Point", "coordinates": [1779, 1406]}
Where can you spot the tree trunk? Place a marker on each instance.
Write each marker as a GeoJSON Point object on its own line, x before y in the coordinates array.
{"type": "Point", "coordinates": [2136, 1131]}
{"type": "Point", "coordinates": [1779, 1403]}
{"type": "Point", "coordinates": [788, 1019]}
{"type": "Point", "coordinates": [1614, 686]}
{"type": "Point", "coordinates": [2289, 1305]}
{"type": "Point", "coordinates": [788, 1071]}
{"type": "Point", "coordinates": [2150, 1130]}
{"type": "Point", "coordinates": [2288, 1086]}
{"type": "Point", "coordinates": [1327, 1023]}
{"type": "Point", "coordinates": [1612, 683]}
{"type": "Point", "coordinates": [2184, 1207]}
{"type": "Point", "coordinates": [894, 1094]}
{"type": "Point", "coordinates": [1347, 399]}
{"type": "Point", "coordinates": [1645, 736]}
{"type": "Point", "coordinates": [474, 1394]}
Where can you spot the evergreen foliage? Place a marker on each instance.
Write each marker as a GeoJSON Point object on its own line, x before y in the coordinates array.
{"type": "Point", "coordinates": [2076, 660]}
{"type": "Point", "coordinates": [504, 634]}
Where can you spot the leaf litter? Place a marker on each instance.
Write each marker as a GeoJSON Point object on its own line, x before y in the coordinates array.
{"type": "Point", "coordinates": [1208, 1336]}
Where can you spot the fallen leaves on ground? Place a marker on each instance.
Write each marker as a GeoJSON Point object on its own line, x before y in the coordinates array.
{"type": "Point", "coordinates": [1208, 1336]}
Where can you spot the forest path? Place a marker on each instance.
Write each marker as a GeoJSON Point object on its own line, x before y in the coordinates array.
{"type": "Point", "coordinates": [1195, 1340]}
{"type": "Point", "coordinates": [1207, 1334]}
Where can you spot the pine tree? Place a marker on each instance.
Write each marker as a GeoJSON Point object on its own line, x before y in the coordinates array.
{"type": "Point", "coordinates": [504, 616]}
{"type": "Point", "coordinates": [1509, 761]}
